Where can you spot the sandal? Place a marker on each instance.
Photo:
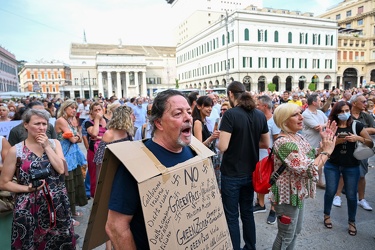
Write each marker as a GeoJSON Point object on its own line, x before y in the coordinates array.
{"type": "Point", "coordinates": [352, 232]}
{"type": "Point", "coordinates": [77, 214]}
{"type": "Point", "coordinates": [76, 223]}
{"type": "Point", "coordinates": [327, 224]}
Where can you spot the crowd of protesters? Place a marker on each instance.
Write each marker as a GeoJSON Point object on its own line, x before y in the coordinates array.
{"type": "Point", "coordinates": [238, 127]}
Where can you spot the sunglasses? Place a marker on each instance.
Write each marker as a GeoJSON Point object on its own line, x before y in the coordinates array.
{"type": "Point", "coordinates": [223, 109]}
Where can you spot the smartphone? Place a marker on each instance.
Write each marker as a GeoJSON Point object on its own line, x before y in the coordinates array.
{"type": "Point", "coordinates": [216, 124]}
{"type": "Point", "coordinates": [285, 219]}
{"type": "Point", "coordinates": [342, 135]}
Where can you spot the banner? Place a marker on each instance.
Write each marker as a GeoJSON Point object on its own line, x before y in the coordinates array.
{"type": "Point", "coordinates": [6, 127]}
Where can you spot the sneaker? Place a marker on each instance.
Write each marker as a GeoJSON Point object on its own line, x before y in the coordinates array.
{"type": "Point", "coordinates": [259, 209]}
{"type": "Point", "coordinates": [337, 201]}
{"type": "Point", "coordinates": [364, 204]}
{"type": "Point", "coordinates": [271, 219]}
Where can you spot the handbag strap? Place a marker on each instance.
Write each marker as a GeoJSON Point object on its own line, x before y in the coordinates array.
{"type": "Point", "coordinates": [279, 171]}
{"type": "Point", "coordinates": [354, 127]}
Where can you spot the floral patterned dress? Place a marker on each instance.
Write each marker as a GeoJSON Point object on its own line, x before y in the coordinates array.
{"type": "Point", "coordinates": [42, 219]}
{"type": "Point", "coordinates": [298, 181]}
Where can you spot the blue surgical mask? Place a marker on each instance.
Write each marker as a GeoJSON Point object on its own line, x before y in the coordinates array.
{"type": "Point", "coordinates": [344, 117]}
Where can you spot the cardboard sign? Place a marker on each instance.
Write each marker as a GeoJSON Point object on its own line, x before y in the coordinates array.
{"type": "Point", "coordinates": [6, 127]}
{"type": "Point", "coordinates": [181, 205]}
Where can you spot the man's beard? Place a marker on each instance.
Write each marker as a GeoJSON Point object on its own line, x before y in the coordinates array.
{"type": "Point", "coordinates": [181, 142]}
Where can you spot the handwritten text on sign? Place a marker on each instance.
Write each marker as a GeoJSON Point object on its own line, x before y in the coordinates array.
{"type": "Point", "coordinates": [184, 211]}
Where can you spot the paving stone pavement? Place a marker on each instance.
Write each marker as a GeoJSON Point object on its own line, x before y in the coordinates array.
{"type": "Point", "coordinates": [314, 235]}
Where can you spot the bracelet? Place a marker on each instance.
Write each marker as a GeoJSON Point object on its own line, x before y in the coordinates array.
{"type": "Point", "coordinates": [325, 153]}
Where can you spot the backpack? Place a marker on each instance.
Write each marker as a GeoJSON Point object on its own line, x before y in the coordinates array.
{"type": "Point", "coordinates": [263, 173]}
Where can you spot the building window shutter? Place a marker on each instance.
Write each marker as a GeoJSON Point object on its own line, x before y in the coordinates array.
{"type": "Point", "coordinates": [265, 35]}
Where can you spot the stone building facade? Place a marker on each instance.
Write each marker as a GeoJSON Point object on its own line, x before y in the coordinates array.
{"type": "Point", "coordinates": [8, 71]}
{"type": "Point", "coordinates": [120, 70]}
{"type": "Point", "coordinates": [356, 42]}
{"type": "Point", "coordinates": [259, 47]}
{"type": "Point", "coordinates": [47, 78]}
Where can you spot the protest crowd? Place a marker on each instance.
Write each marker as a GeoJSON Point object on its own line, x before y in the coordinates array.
{"type": "Point", "coordinates": [311, 133]}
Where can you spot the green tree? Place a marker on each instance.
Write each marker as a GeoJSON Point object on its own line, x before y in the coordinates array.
{"type": "Point", "coordinates": [312, 86]}
{"type": "Point", "coordinates": [177, 86]}
{"type": "Point", "coordinates": [271, 87]}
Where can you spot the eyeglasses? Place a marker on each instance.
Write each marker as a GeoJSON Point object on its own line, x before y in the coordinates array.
{"type": "Point", "coordinates": [149, 112]}
{"type": "Point", "coordinates": [223, 109]}
{"type": "Point", "coordinates": [365, 101]}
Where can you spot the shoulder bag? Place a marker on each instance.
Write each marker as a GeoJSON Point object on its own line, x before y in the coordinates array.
{"type": "Point", "coordinates": [361, 151]}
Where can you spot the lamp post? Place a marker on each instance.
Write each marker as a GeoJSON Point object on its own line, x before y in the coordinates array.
{"type": "Point", "coordinates": [227, 47]}
{"type": "Point", "coordinates": [88, 73]}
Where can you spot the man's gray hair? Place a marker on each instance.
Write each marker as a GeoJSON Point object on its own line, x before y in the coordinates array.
{"type": "Point", "coordinates": [159, 106]}
{"type": "Point", "coordinates": [265, 99]}
{"type": "Point", "coordinates": [355, 98]}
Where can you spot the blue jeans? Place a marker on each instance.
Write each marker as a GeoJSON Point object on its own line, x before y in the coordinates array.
{"type": "Point", "coordinates": [239, 192]}
{"type": "Point", "coordinates": [351, 177]}
{"type": "Point", "coordinates": [287, 233]}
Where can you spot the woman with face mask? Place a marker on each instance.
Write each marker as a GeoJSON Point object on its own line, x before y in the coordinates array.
{"type": "Point", "coordinates": [343, 162]}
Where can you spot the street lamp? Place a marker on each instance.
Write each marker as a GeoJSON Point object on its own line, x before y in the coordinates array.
{"type": "Point", "coordinates": [227, 47]}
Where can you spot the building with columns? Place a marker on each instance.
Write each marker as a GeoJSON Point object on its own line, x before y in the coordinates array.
{"type": "Point", "coordinates": [356, 44]}
{"type": "Point", "coordinates": [48, 78]}
{"type": "Point", "coordinates": [258, 47]}
{"type": "Point", "coordinates": [120, 70]}
{"type": "Point", "coordinates": [8, 71]}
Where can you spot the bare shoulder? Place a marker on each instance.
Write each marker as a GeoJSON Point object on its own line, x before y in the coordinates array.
{"type": "Point", "coordinates": [108, 136]}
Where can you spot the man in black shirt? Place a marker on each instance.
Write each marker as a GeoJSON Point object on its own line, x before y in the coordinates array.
{"type": "Point", "coordinates": [243, 131]}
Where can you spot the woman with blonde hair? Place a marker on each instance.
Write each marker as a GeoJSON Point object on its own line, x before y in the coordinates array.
{"type": "Point", "coordinates": [66, 128]}
{"type": "Point", "coordinates": [297, 164]}
{"type": "Point", "coordinates": [4, 112]}
{"type": "Point", "coordinates": [109, 110]}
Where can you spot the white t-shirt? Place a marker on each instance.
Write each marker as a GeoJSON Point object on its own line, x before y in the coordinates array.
{"type": "Point", "coordinates": [311, 120]}
{"type": "Point", "coordinates": [85, 111]}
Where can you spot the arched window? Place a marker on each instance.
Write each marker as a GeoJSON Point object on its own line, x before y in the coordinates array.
{"type": "Point", "coordinates": [290, 37]}
{"type": "Point", "coordinates": [246, 34]}
{"type": "Point", "coordinates": [276, 36]}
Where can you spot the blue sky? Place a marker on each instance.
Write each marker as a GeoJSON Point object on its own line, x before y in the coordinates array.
{"type": "Point", "coordinates": [44, 29]}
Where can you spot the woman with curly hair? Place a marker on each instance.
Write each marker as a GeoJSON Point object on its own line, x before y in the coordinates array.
{"type": "Point", "coordinates": [120, 128]}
